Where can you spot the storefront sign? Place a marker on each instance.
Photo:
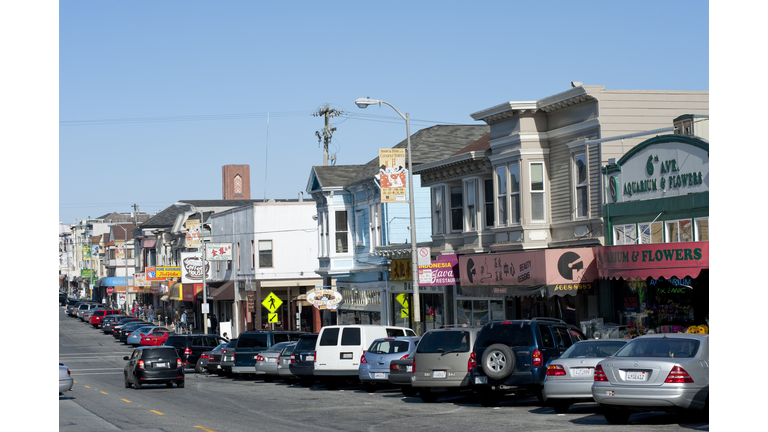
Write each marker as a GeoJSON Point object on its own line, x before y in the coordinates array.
{"type": "Point", "coordinates": [661, 260]}
{"type": "Point", "coordinates": [402, 270]}
{"type": "Point", "coordinates": [218, 251]}
{"type": "Point", "coordinates": [167, 272]}
{"type": "Point", "coordinates": [392, 175]}
{"type": "Point", "coordinates": [544, 267]}
{"type": "Point", "coordinates": [444, 271]}
{"type": "Point", "coordinates": [192, 238]}
{"type": "Point", "coordinates": [192, 268]}
{"type": "Point", "coordinates": [251, 300]}
{"type": "Point", "coordinates": [95, 252]}
{"type": "Point", "coordinates": [323, 298]}
{"type": "Point", "coordinates": [86, 274]}
{"type": "Point", "coordinates": [140, 279]}
{"type": "Point", "coordinates": [189, 291]}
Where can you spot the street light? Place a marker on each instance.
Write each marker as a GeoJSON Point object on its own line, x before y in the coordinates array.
{"type": "Point", "coordinates": [125, 246]}
{"type": "Point", "coordinates": [363, 103]}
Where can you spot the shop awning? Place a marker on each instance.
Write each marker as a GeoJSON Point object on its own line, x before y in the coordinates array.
{"type": "Point", "coordinates": [663, 260]}
{"type": "Point", "coordinates": [148, 243]}
{"type": "Point", "coordinates": [224, 292]}
{"type": "Point", "coordinates": [111, 281]}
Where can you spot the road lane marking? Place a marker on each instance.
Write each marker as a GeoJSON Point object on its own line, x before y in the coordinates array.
{"type": "Point", "coordinates": [157, 412]}
{"type": "Point", "coordinates": [126, 400]}
{"type": "Point", "coordinates": [103, 392]}
{"type": "Point", "coordinates": [207, 430]}
{"type": "Point", "coordinates": [87, 387]}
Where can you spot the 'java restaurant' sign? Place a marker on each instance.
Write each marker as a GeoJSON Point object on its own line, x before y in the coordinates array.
{"type": "Point", "coordinates": [664, 166]}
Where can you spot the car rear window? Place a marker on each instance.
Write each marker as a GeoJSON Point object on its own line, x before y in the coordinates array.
{"type": "Point", "coordinates": [660, 347]}
{"type": "Point", "coordinates": [514, 335]}
{"type": "Point", "coordinates": [605, 348]}
{"type": "Point", "coordinates": [350, 336]}
{"type": "Point", "coordinates": [443, 341]}
{"type": "Point", "coordinates": [166, 353]}
{"type": "Point", "coordinates": [329, 337]}
{"type": "Point", "coordinates": [562, 337]}
{"type": "Point", "coordinates": [389, 347]}
{"type": "Point", "coordinates": [256, 340]}
{"type": "Point", "coordinates": [306, 343]}
{"type": "Point", "coordinates": [288, 349]}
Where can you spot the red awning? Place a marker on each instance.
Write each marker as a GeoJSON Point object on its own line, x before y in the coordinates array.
{"type": "Point", "coordinates": [224, 292]}
{"type": "Point", "coordinates": [148, 243]}
{"type": "Point", "coordinates": [665, 260]}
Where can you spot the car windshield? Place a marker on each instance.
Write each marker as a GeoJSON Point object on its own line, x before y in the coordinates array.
{"type": "Point", "coordinates": [602, 348]}
{"type": "Point", "coordinates": [306, 343]}
{"type": "Point", "coordinates": [513, 334]}
{"type": "Point", "coordinates": [278, 347]}
{"type": "Point", "coordinates": [220, 347]}
{"type": "Point", "coordinates": [660, 348]}
{"type": "Point", "coordinates": [288, 349]}
{"type": "Point", "coordinates": [258, 340]}
{"type": "Point", "coordinates": [389, 347]}
{"type": "Point", "coordinates": [440, 341]}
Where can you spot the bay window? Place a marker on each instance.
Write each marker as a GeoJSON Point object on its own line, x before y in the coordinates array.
{"type": "Point", "coordinates": [580, 189]}
{"type": "Point", "coordinates": [457, 209]}
{"type": "Point", "coordinates": [471, 205]}
{"type": "Point", "coordinates": [538, 192]}
{"type": "Point", "coordinates": [438, 213]}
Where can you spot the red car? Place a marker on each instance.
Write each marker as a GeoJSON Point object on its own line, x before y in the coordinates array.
{"type": "Point", "coordinates": [156, 338]}
{"type": "Point", "coordinates": [100, 314]}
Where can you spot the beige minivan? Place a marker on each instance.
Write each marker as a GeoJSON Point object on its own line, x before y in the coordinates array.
{"type": "Point", "coordinates": [442, 362]}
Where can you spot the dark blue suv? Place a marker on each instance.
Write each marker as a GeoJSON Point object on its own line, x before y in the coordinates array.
{"type": "Point", "coordinates": [512, 356]}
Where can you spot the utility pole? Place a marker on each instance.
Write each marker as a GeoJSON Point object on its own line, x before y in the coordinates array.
{"type": "Point", "coordinates": [328, 131]}
{"type": "Point", "coordinates": [135, 214]}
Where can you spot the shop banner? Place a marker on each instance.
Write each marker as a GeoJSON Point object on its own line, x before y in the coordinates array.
{"type": "Point", "coordinates": [95, 252]}
{"type": "Point", "coordinates": [120, 252]}
{"type": "Point", "coordinates": [86, 274]}
{"type": "Point", "coordinates": [167, 272]}
{"type": "Point", "coordinates": [140, 279]}
{"type": "Point", "coordinates": [192, 239]}
{"type": "Point", "coordinates": [175, 291]}
{"type": "Point", "coordinates": [323, 298]}
{"type": "Point", "coordinates": [544, 267]}
{"type": "Point", "coordinates": [192, 268]}
{"type": "Point", "coordinates": [392, 175]}
{"type": "Point", "coordinates": [444, 271]}
{"type": "Point", "coordinates": [660, 260]}
{"type": "Point", "coordinates": [402, 270]}
{"type": "Point", "coordinates": [86, 252]}
{"type": "Point", "coordinates": [218, 251]}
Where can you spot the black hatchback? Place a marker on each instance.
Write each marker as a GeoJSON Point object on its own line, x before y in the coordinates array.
{"type": "Point", "coordinates": [512, 356]}
{"type": "Point", "coordinates": [190, 347]}
{"type": "Point", "coordinates": [153, 365]}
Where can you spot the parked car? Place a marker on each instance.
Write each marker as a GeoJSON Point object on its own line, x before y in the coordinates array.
{"type": "Point", "coordinates": [251, 343]}
{"type": "Point", "coordinates": [191, 346]}
{"type": "Point", "coordinates": [284, 364]}
{"type": "Point", "coordinates": [400, 373]}
{"type": "Point", "coordinates": [117, 326]}
{"type": "Point", "coordinates": [443, 361]}
{"type": "Point", "coordinates": [266, 361]}
{"type": "Point", "coordinates": [135, 337]}
{"type": "Point", "coordinates": [62, 298]}
{"type": "Point", "coordinates": [85, 307]}
{"type": "Point", "coordinates": [98, 316]}
{"type": "Point", "coordinates": [65, 379]}
{"type": "Point", "coordinates": [156, 337]}
{"type": "Point", "coordinates": [512, 356]}
{"type": "Point", "coordinates": [73, 308]}
{"type": "Point", "coordinates": [88, 313]}
{"type": "Point", "coordinates": [210, 361]}
{"type": "Point", "coordinates": [340, 347]}
{"type": "Point", "coordinates": [153, 365]}
{"type": "Point", "coordinates": [228, 357]}
{"type": "Point", "coordinates": [127, 329]}
{"type": "Point", "coordinates": [108, 321]}
{"type": "Point", "coordinates": [374, 363]}
{"type": "Point", "coordinates": [661, 372]}
{"type": "Point", "coordinates": [302, 363]}
{"type": "Point", "coordinates": [569, 378]}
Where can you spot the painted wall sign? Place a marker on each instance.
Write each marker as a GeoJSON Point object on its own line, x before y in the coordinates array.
{"type": "Point", "coordinates": [192, 267]}
{"type": "Point", "coordinates": [402, 270]}
{"type": "Point", "coordinates": [663, 166]}
{"type": "Point", "coordinates": [323, 298]}
{"type": "Point", "coordinates": [218, 251]}
{"type": "Point", "coordinates": [661, 260]}
{"type": "Point", "coordinates": [544, 267]}
{"type": "Point", "coordinates": [444, 271]}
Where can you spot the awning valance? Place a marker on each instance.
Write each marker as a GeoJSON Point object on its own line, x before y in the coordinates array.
{"type": "Point", "coordinates": [111, 281]}
{"type": "Point", "coordinates": [148, 243]}
{"type": "Point", "coordinates": [662, 260]}
{"type": "Point", "coordinates": [224, 292]}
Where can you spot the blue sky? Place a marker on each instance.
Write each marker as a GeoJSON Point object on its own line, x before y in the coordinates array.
{"type": "Point", "coordinates": [155, 97]}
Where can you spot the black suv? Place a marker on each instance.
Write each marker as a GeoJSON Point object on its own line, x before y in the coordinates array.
{"type": "Point", "coordinates": [153, 365]}
{"type": "Point", "coordinates": [251, 343]}
{"type": "Point", "coordinates": [190, 347]}
{"type": "Point", "coordinates": [512, 356]}
{"type": "Point", "coordinates": [303, 359]}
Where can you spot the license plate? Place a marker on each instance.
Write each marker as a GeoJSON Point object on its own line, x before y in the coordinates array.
{"type": "Point", "coordinates": [346, 356]}
{"type": "Point", "coordinates": [218, 366]}
{"type": "Point", "coordinates": [481, 380]}
{"type": "Point", "coordinates": [162, 365]}
{"type": "Point", "coordinates": [438, 374]}
{"type": "Point", "coordinates": [409, 368]}
{"type": "Point", "coordinates": [271, 360]}
{"type": "Point", "coordinates": [309, 358]}
{"type": "Point", "coordinates": [379, 376]}
{"type": "Point", "coordinates": [635, 376]}
{"type": "Point", "coordinates": [581, 371]}
{"type": "Point", "coordinates": [609, 393]}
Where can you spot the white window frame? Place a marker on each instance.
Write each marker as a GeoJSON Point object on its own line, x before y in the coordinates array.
{"type": "Point", "coordinates": [271, 252]}
{"type": "Point", "coordinates": [470, 205]}
{"type": "Point", "coordinates": [501, 208]}
{"type": "Point", "coordinates": [668, 233]}
{"type": "Point", "coordinates": [359, 228]}
{"type": "Point", "coordinates": [438, 211]}
{"type": "Point", "coordinates": [577, 186]}
{"type": "Point", "coordinates": [459, 206]}
{"type": "Point", "coordinates": [641, 228]}
{"type": "Point", "coordinates": [336, 232]}
{"type": "Point", "coordinates": [542, 192]}
{"type": "Point", "coordinates": [621, 230]}
{"type": "Point", "coordinates": [697, 228]}
{"type": "Point", "coordinates": [375, 225]}
{"type": "Point", "coordinates": [511, 195]}
{"type": "Point", "coordinates": [489, 207]}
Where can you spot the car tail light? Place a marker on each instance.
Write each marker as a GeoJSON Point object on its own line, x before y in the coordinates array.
{"type": "Point", "coordinates": [140, 364]}
{"type": "Point", "coordinates": [315, 356]}
{"type": "Point", "coordinates": [178, 364]}
{"type": "Point", "coordinates": [404, 357]}
{"type": "Point", "coordinates": [600, 374]}
{"type": "Point", "coordinates": [555, 370]}
{"type": "Point", "coordinates": [392, 367]}
{"type": "Point", "coordinates": [413, 365]}
{"type": "Point", "coordinates": [278, 358]}
{"type": "Point", "coordinates": [538, 359]}
{"type": "Point", "coordinates": [68, 372]}
{"type": "Point", "coordinates": [472, 362]}
{"type": "Point", "coordinates": [259, 358]}
{"type": "Point", "coordinates": [187, 351]}
{"type": "Point", "coordinates": [293, 358]}
{"type": "Point", "coordinates": [362, 359]}
{"type": "Point", "coordinates": [678, 375]}
{"type": "Point", "coordinates": [204, 356]}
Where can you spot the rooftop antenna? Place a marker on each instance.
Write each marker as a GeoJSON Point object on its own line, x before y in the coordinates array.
{"type": "Point", "coordinates": [266, 165]}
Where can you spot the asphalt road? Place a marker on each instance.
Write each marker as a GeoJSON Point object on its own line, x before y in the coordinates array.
{"type": "Point", "coordinates": [99, 402]}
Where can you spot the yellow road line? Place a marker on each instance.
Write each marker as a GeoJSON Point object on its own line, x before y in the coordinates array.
{"type": "Point", "coordinates": [126, 400]}
{"type": "Point", "coordinates": [207, 430]}
{"type": "Point", "coordinates": [87, 387]}
{"type": "Point", "coordinates": [103, 392]}
{"type": "Point", "coordinates": [157, 412]}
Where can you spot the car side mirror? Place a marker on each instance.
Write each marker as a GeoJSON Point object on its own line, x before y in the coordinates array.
{"type": "Point", "coordinates": [126, 358]}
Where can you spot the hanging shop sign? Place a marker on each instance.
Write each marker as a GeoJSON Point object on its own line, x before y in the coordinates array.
{"type": "Point", "coordinates": [192, 238]}
{"type": "Point", "coordinates": [95, 252]}
{"type": "Point", "coordinates": [140, 279]}
{"type": "Point", "coordinates": [86, 252]}
{"type": "Point", "coordinates": [664, 166]}
{"type": "Point", "coordinates": [323, 298]}
{"type": "Point", "coordinates": [86, 273]}
{"type": "Point", "coordinates": [402, 270]}
{"type": "Point", "coordinates": [660, 260]}
{"type": "Point", "coordinates": [444, 271]}
{"type": "Point", "coordinates": [218, 251]}
{"type": "Point", "coordinates": [392, 175]}
{"type": "Point", "coordinates": [192, 268]}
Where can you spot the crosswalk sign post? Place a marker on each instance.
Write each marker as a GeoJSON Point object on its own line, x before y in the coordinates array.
{"type": "Point", "coordinates": [272, 302]}
{"type": "Point", "coordinates": [272, 318]}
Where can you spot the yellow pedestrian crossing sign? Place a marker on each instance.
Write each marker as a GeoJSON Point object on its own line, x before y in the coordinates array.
{"type": "Point", "coordinates": [403, 300]}
{"type": "Point", "coordinates": [272, 318]}
{"type": "Point", "coordinates": [272, 302]}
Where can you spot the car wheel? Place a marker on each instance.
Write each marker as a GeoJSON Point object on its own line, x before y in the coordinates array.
{"type": "Point", "coordinates": [427, 396]}
{"type": "Point", "coordinates": [125, 378]}
{"type": "Point", "coordinates": [199, 367]}
{"type": "Point", "coordinates": [169, 384]}
{"type": "Point", "coordinates": [409, 391]}
{"type": "Point", "coordinates": [539, 393]}
{"type": "Point", "coordinates": [561, 405]}
{"type": "Point", "coordinates": [369, 387]}
{"type": "Point", "coordinates": [616, 415]}
{"type": "Point", "coordinates": [488, 398]}
{"type": "Point", "coordinates": [306, 382]}
{"type": "Point", "coordinates": [498, 361]}
{"type": "Point", "coordinates": [331, 383]}
{"type": "Point", "coordinates": [180, 384]}
{"type": "Point", "coordinates": [136, 383]}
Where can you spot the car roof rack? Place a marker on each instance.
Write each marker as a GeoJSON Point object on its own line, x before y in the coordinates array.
{"type": "Point", "coordinates": [548, 319]}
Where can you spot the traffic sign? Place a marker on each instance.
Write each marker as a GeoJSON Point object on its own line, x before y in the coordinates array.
{"type": "Point", "coordinates": [110, 290]}
{"type": "Point", "coordinates": [272, 302]}
{"type": "Point", "coordinates": [272, 317]}
{"type": "Point", "coordinates": [402, 299]}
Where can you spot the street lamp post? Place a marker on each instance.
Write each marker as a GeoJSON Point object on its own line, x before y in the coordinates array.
{"type": "Point", "coordinates": [202, 262]}
{"type": "Point", "coordinates": [363, 103]}
{"type": "Point", "coordinates": [125, 253]}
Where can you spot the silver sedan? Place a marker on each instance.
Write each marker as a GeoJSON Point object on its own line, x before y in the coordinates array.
{"type": "Point", "coordinates": [266, 361]}
{"type": "Point", "coordinates": [65, 379]}
{"type": "Point", "coordinates": [569, 378]}
{"type": "Point", "coordinates": [661, 372]}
